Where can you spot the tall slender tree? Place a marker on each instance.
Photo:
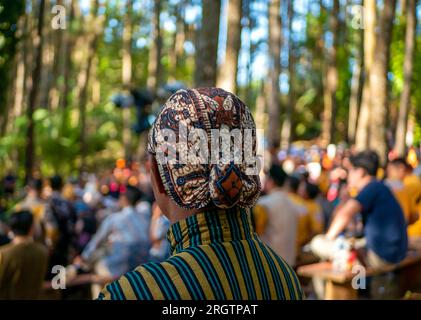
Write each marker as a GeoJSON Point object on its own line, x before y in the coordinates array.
{"type": "Point", "coordinates": [379, 81]}
{"type": "Point", "coordinates": [275, 41]}
{"type": "Point", "coordinates": [95, 29]}
{"type": "Point", "coordinates": [56, 82]}
{"type": "Point", "coordinates": [33, 95]}
{"type": "Point", "coordinates": [227, 77]}
{"type": "Point", "coordinates": [68, 63]}
{"type": "Point", "coordinates": [357, 84]}
{"type": "Point", "coordinates": [332, 79]}
{"type": "Point", "coordinates": [10, 13]}
{"type": "Point", "coordinates": [363, 132]}
{"type": "Point", "coordinates": [179, 37]}
{"type": "Point", "coordinates": [288, 125]}
{"type": "Point", "coordinates": [207, 44]}
{"type": "Point", "coordinates": [17, 101]}
{"type": "Point", "coordinates": [127, 73]}
{"type": "Point", "coordinates": [404, 105]}
{"type": "Point", "coordinates": [154, 66]}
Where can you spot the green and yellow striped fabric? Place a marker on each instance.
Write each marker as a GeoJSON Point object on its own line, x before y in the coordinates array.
{"type": "Point", "coordinates": [215, 255]}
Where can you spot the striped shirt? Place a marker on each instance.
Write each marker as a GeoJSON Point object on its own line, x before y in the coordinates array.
{"type": "Point", "coordinates": [214, 255]}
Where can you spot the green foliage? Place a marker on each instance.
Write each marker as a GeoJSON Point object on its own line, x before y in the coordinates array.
{"type": "Point", "coordinates": [396, 68]}
{"type": "Point", "coordinates": [57, 140]}
{"type": "Point", "coordinates": [10, 11]}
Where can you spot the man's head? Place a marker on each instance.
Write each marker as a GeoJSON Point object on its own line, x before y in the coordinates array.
{"type": "Point", "coordinates": [293, 183]}
{"type": "Point", "coordinates": [35, 187]}
{"type": "Point", "coordinates": [276, 177]}
{"type": "Point", "coordinates": [192, 179]}
{"type": "Point", "coordinates": [130, 197]}
{"type": "Point", "coordinates": [56, 183]}
{"type": "Point", "coordinates": [397, 169]}
{"type": "Point", "coordinates": [364, 166]}
{"type": "Point", "coordinates": [308, 190]}
{"type": "Point", "coordinates": [21, 223]}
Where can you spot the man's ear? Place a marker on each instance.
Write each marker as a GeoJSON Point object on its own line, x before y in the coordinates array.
{"type": "Point", "coordinates": [157, 176]}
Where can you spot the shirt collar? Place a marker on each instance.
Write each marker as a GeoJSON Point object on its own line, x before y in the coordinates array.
{"type": "Point", "coordinates": [211, 226]}
{"type": "Point", "coordinates": [127, 210]}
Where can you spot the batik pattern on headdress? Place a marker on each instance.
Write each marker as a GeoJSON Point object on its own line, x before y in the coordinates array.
{"type": "Point", "coordinates": [197, 185]}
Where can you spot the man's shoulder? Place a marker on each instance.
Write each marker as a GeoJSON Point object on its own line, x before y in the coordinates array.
{"type": "Point", "coordinates": [5, 249]}
{"type": "Point", "coordinates": [39, 249]}
{"type": "Point", "coordinates": [11, 250]}
{"type": "Point", "coordinates": [149, 281]}
{"type": "Point", "coordinates": [142, 283]}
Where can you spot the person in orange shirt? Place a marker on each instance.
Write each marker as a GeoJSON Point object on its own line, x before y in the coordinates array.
{"type": "Point", "coordinates": [315, 221]}
{"type": "Point", "coordinates": [37, 206]}
{"type": "Point", "coordinates": [407, 189]}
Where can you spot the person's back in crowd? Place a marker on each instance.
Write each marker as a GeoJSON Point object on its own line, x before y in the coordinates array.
{"type": "Point", "coordinates": [292, 185]}
{"type": "Point", "coordinates": [383, 220]}
{"type": "Point", "coordinates": [23, 262]}
{"type": "Point", "coordinates": [60, 224]}
{"type": "Point", "coordinates": [86, 225]}
{"type": "Point", "coordinates": [4, 238]}
{"type": "Point", "coordinates": [276, 216]}
{"type": "Point", "coordinates": [34, 203]}
{"type": "Point", "coordinates": [122, 240]}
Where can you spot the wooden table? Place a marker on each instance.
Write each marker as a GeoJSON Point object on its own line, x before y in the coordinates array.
{"type": "Point", "coordinates": [338, 284]}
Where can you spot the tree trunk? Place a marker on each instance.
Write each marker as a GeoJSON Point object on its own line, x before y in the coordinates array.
{"type": "Point", "coordinates": [154, 66]}
{"type": "Point", "coordinates": [275, 40]}
{"type": "Point", "coordinates": [287, 126]}
{"type": "Point", "coordinates": [260, 107]}
{"type": "Point", "coordinates": [379, 81]}
{"type": "Point", "coordinates": [179, 38]}
{"type": "Point", "coordinates": [404, 104]}
{"type": "Point", "coordinates": [67, 65]}
{"type": "Point", "coordinates": [251, 53]}
{"type": "Point", "coordinates": [56, 85]}
{"type": "Point", "coordinates": [227, 78]}
{"type": "Point", "coordinates": [127, 74]}
{"type": "Point", "coordinates": [94, 30]}
{"type": "Point", "coordinates": [17, 100]}
{"type": "Point", "coordinates": [207, 44]}
{"type": "Point", "coordinates": [369, 50]}
{"type": "Point", "coordinates": [356, 87]}
{"type": "Point", "coordinates": [332, 79]}
{"type": "Point", "coordinates": [48, 54]}
{"type": "Point", "coordinates": [33, 95]}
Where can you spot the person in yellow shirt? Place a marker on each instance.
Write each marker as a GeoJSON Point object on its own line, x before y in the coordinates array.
{"type": "Point", "coordinates": [413, 184]}
{"type": "Point", "coordinates": [407, 189]}
{"type": "Point", "coordinates": [34, 203]}
{"type": "Point", "coordinates": [315, 221]}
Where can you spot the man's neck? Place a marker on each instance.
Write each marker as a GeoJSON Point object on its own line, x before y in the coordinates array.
{"type": "Point", "coordinates": [365, 181]}
{"type": "Point", "coordinates": [178, 213]}
{"type": "Point", "coordinates": [22, 239]}
{"type": "Point", "coordinates": [275, 189]}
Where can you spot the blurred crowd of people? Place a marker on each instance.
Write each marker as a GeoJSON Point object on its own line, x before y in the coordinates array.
{"type": "Point", "coordinates": [108, 224]}
{"type": "Point", "coordinates": [313, 196]}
